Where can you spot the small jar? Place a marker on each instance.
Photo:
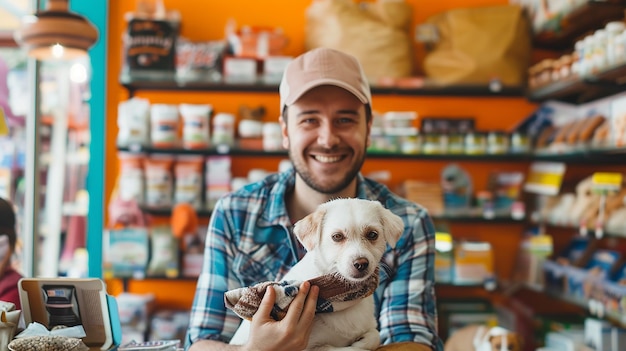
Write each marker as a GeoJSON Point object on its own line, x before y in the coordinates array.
{"type": "Point", "coordinates": [475, 143]}
{"type": "Point", "coordinates": [497, 143]}
{"type": "Point", "coordinates": [272, 136]}
{"type": "Point", "coordinates": [520, 143]}
{"type": "Point", "coordinates": [599, 62]}
{"type": "Point", "coordinates": [620, 48]}
{"type": "Point", "coordinates": [577, 56]}
{"type": "Point", "coordinates": [456, 144]}
{"type": "Point", "coordinates": [613, 30]}
{"type": "Point", "coordinates": [586, 61]}
{"type": "Point", "coordinates": [431, 144]}
{"type": "Point", "coordinates": [410, 144]}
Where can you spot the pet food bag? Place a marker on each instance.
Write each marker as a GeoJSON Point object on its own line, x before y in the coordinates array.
{"type": "Point", "coordinates": [477, 45]}
{"type": "Point", "coordinates": [376, 33]}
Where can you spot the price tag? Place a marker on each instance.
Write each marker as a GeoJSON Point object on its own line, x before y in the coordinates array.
{"type": "Point", "coordinates": [541, 245]}
{"type": "Point", "coordinates": [606, 182]}
{"type": "Point", "coordinates": [545, 178]}
{"type": "Point", "coordinates": [4, 128]}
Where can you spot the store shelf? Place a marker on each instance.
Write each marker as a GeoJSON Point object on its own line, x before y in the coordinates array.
{"type": "Point", "coordinates": [260, 86]}
{"type": "Point", "coordinates": [567, 29]}
{"type": "Point", "coordinates": [213, 151]}
{"type": "Point", "coordinates": [167, 211]}
{"type": "Point", "coordinates": [591, 156]}
{"type": "Point", "coordinates": [465, 215]}
{"type": "Point", "coordinates": [576, 229]}
{"type": "Point", "coordinates": [283, 153]}
{"type": "Point", "coordinates": [584, 156]}
{"type": "Point", "coordinates": [476, 215]}
{"type": "Point", "coordinates": [579, 90]}
{"type": "Point", "coordinates": [612, 316]}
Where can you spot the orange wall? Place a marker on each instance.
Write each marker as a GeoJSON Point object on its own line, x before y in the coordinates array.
{"type": "Point", "coordinates": [206, 19]}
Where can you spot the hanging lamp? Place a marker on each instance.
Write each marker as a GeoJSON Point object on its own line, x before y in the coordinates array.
{"type": "Point", "coordinates": [56, 33]}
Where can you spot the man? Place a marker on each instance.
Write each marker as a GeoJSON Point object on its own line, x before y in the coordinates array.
{"type": "Point", "coordinates": [326, 120]}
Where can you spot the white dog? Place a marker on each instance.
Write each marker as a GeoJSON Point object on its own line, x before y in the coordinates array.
{"type": "Point", "coordinates": [346, 238]}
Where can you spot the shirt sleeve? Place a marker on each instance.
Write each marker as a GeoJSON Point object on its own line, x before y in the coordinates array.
{"type": "Point", "coordinates": [407, 302]}
{"type": "Point", "coordinates": [209, 317]}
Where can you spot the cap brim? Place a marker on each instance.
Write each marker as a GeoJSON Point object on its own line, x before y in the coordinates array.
{"type": "Point", "coordinates": [319, 82]}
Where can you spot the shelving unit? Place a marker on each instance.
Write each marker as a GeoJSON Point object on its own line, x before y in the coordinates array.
{"type": "Point", "coordinates": [568, 28]}
{"type": "Point", "coordinates": [505, 231]}
{"type": "Point", "coordinates": [579, 90]}
{"type": "Point", "coordinates": [161, 84]}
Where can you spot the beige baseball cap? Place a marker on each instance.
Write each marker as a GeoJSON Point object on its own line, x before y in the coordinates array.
{"type": "Point", "coordinates": [323, 66]}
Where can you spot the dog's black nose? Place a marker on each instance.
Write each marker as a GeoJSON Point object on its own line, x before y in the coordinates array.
{"type": "Point", "coordinates": [361, 264]}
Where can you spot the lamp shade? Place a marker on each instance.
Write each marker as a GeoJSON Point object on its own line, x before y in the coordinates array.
{"type": "Point", "coordinates": [56, 33]}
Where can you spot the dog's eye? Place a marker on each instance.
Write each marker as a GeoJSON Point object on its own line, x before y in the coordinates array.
{"type": "Point", "coordinates": [373, 235]}
{"type": "Point", "coordinates": [337, 237]}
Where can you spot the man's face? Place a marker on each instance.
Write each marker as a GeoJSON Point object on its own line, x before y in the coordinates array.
{"type": "Point", "coordinates": [327, 136]}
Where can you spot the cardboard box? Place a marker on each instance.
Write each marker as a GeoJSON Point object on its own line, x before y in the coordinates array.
{"type": "Point", "coordinates": [67, 301]}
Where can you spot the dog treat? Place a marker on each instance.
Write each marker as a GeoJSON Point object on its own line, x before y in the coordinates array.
{"type": "Point", "coordinates": [588, 129]}
{"type": "Point", "coordinates": [545, 137]}
{"type": "Point", "coordinates": [572, 135]}
{"type": "Point", "coordinates": [601, 134]}
{"type": "Point", "coordinates": [562, 132]}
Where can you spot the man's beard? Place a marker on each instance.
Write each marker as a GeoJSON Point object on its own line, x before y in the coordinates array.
{"type": "Point", "coordinates": [310, 181]}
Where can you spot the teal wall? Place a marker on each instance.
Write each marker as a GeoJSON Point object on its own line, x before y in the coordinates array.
{"type": "Point", "coordinates": [97, 12]}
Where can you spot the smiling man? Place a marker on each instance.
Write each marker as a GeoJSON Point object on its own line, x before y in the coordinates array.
{"type": "Point", "coordinates": [326, 119]}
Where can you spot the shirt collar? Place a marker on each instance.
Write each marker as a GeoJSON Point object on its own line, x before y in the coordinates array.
{"type": "Point", "coordinates": [275, 212]}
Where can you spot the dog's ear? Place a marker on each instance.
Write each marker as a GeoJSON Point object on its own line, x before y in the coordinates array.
{"type": "Point", "coordinates": [308, 229]}
{"type": "Point", "coordinates": [393, 226]}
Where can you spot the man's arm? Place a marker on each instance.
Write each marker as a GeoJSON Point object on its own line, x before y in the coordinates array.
{"type": "Point", "coordinates": [407, 303]}
{"type": "Point", "coordinates": [289, 334]}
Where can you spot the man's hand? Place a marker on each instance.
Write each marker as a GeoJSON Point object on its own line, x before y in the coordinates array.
{"type": "Point", "coordinates": [291, 333]}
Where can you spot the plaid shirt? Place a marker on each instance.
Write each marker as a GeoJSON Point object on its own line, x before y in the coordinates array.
{"type": "Point", "coordinates": [250, 241]}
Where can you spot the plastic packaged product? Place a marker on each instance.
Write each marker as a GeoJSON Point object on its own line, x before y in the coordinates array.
{"type": "Point", "coordinates": [217, 178]}
{"type": "Point", "coordinates": [164, 125]}
{"type": "Point", "coordinates": [223, 129]}
{"type": "Point", "coordinates": [196, 131]}
{"type": "Point", "coordinates": [159, 182]}
{"type": "Point", "coordinates": [164, 253]}
{"type": "Point", "coordinates": [133, 122]}
{"type": "Point", "coordinates": [188, 180]}
{"type": "Point", "coordinates": [131, 182]}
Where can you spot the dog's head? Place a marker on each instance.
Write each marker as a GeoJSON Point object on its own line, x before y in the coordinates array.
{"type": "Point", "coordinates": [505, 342]}
{"type": "Point", "coordinates": [349, 236]}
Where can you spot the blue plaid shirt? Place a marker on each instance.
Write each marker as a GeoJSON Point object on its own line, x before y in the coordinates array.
{"type": "Point", "coordinates": [250, 241]}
